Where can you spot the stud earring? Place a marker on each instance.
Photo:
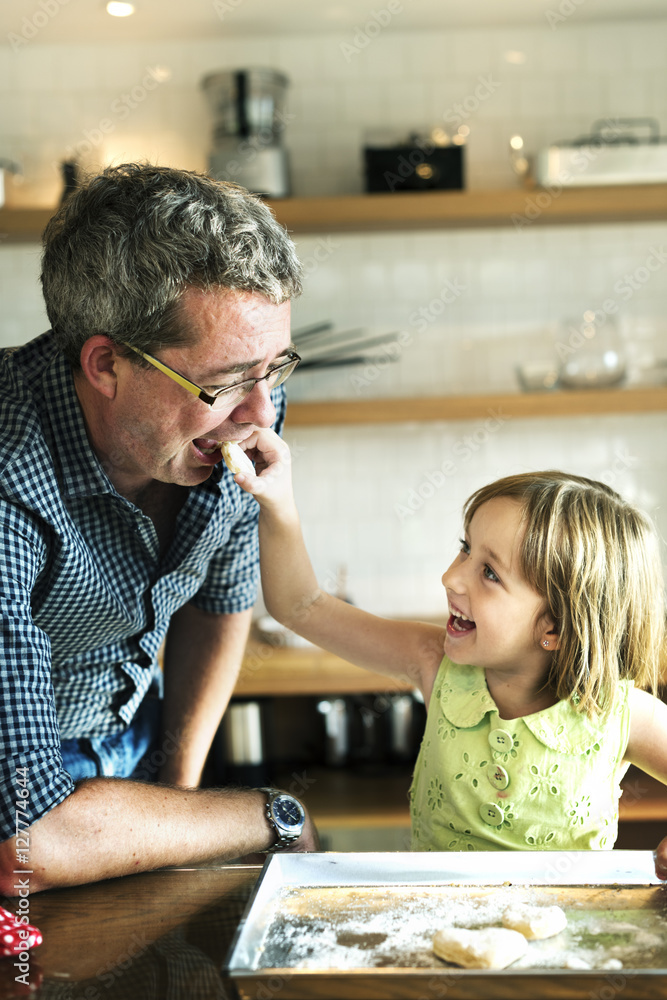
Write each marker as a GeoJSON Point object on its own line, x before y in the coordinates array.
{"type": "Point", "coordinates": [545, 642]}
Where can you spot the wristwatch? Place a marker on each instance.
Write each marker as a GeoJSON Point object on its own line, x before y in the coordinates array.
{"type": "Point", "coordinates": [286, 816]}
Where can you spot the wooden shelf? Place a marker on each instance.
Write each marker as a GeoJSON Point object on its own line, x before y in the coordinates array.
{"type": "Point", "coordinates": [281, 670]}
{"type": "Point", "coordinates": [23, 225]}
{"type": "Point", "coordinates": [575, 403]}
{"type": "Point", "coordinates": [514, 207]}
{"type": "Point", "coordinates": [465, 209]}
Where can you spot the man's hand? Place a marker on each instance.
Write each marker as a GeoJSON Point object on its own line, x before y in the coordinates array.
{"type": "Point", "coordinates": [309, 839]}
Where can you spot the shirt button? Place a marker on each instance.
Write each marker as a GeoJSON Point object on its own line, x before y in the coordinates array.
{"type": "Point", "coordinates": [498, 776]}
{"type": "Point", "coordinates": [491, 814]}
{"type": "Point", "coordinates": [500, 739]}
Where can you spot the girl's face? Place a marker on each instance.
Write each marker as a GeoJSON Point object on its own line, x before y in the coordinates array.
{"type": "Point", "coordinates": [505, 616]}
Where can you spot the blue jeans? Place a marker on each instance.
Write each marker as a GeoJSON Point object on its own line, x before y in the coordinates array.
{"type": "Point", "coordinates": [120, 755]}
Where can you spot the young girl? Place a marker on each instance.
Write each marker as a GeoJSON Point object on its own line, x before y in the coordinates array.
{"type": "Point", "coordinates": [556, 623]}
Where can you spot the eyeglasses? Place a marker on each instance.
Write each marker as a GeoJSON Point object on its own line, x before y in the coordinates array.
{"type": "Point", "coordinates": [226, 395]}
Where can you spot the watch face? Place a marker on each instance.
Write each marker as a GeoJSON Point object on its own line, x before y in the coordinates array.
{"type": "Point", "coordinates": [288, 812]}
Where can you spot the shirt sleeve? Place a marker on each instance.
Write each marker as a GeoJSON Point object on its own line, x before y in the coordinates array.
{"type": "Point", "coordinates": [233, 573]}
{"type": "Point", "coordinates": [32, 777]}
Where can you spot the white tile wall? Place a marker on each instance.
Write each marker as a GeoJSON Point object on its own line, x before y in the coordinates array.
{"type": "Point", "coordinates": [514, 287]}
{"type": "Point", "coordinates": [376, 500]}
{"type": "Point", "coordinates": [468, 306]}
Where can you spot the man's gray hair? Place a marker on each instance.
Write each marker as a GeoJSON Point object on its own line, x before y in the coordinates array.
{"type": "Point", "coordinates": [122, 249]}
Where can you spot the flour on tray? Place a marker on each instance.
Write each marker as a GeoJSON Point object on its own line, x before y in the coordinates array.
{"type": "Point", "coordinates": [336, 927]}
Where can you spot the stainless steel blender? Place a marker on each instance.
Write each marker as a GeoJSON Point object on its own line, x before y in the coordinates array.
{"type": "Point", "coordinates": [248, 107]}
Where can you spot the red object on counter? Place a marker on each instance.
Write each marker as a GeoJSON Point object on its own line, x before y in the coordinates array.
{"type": "Point", "coordinates": [16, 936]}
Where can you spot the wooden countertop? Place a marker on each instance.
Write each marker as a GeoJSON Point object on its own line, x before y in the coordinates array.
{"type": "Point", "coordinates": [349, 798]}
{"type": "Point", "coordinates": [144, 937]}
{"type": "Point", "coordinates": [308, 670]}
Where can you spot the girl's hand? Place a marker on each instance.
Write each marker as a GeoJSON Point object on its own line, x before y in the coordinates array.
{"type": "Point", "coordinates": [661, 859]}
{"type": "Point", "coordinates": [271, 485]}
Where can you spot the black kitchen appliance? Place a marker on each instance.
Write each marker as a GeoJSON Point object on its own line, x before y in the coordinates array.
{"type": "Point", "coordinates": [418, 165]}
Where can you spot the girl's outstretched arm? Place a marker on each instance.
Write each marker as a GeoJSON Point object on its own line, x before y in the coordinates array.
{"type": "Point", "coordinates": [409, 649]}
{"type": "Point", "coordinates": [647, 745]}
{"type": "Point", "coordinates": [647, 749]}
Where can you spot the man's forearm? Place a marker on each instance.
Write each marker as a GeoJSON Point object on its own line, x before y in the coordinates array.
{"type": "Point", "coordinates": [202, 660]}
{"type": "Point", "coordinates": [110, 827]}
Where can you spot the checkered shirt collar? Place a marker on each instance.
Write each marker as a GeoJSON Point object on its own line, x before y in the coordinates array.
{"type": "Point", "coordinates": [81, 473]}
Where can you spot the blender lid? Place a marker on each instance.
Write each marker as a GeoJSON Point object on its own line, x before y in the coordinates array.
{"type": "Point", "coordinates": [257, 75]}
{"type": "Point", "coordinates": [245, 101]}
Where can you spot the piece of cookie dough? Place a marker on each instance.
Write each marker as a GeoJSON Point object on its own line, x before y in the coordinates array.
{"type": "Point", "coordinates": [488, 948]}
{"type": "Point", "coordinates": [236, 459]}
{"type": "Point", "coordinates": [534, 922]}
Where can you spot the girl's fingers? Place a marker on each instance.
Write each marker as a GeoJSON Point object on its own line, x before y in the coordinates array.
{"type": "Point", "coordinates": [272, 482]}
{"type": "Point", "coordinates": [661, 859]}
{"type": "Point", "coordinates": [267, 443]}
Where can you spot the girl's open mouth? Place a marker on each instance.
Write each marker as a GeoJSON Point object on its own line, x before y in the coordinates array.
{"type": "Point", "coordinates": [458, 624]}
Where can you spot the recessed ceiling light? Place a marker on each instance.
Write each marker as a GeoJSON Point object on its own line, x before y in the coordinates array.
{"type": "Point", "coordinates": [117, 9]}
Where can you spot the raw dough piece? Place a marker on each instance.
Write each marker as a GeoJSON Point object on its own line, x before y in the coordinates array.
{"type": "Point", "coordinates": [236, 459]}
{"type": "Point", "coordinates": [489, 948]}
{"type": "Point", "coordinates": [535, 922]}
{"type": "Point", "coordinates": [576, 963]}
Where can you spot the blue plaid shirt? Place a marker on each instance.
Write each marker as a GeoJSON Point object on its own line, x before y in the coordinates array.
{"type": "Point", "coordinates": [85, 600]}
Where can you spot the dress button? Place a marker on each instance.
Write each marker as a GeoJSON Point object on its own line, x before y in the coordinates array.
{"type": "Point", "coordinates": [500, 739]}
{"type": "Point", "coordinates": [491, 814]}
{"type": "Point", "coordinates": [498, 776]}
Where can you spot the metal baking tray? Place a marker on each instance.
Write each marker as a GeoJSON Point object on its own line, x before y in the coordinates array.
{"type": "Point", "coordinates": [329, 925]}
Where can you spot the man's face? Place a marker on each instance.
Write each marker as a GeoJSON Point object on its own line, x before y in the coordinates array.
{"type": "Point", "coordinates": [163, 432]}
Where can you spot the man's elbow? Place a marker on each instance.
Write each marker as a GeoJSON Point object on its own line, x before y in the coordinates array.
{"type": "Point", "coordinates": [38, 854]}
{"type": "Point", "coordinates": [9, 870]}
{"type": "Point", "coordinates": [16, 875]}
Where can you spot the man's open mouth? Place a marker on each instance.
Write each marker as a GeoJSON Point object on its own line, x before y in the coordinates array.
{"type": "Point", "coordinates": [209, 448]}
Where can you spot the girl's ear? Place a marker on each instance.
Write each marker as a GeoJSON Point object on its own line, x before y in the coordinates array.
{"type": "Point", "coordinates": [550, 641]}
{"type": "Point", "coordinates": [548, 635]}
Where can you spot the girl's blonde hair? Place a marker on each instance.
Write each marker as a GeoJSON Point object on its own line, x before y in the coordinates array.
{"type": "Point", "coordinates": [594, 557]}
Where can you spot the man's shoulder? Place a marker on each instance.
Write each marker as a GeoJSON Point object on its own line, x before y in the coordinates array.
{"type": "Point", "coordinates": [33, 356]}
{"type": "Point", "coordinates": [22, 370]}
{"type": "Point", "coordinates": [24, 454]}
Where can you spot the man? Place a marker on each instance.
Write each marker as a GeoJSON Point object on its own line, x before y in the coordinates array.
{"type": "Point", "coordinates": [169, 300]}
